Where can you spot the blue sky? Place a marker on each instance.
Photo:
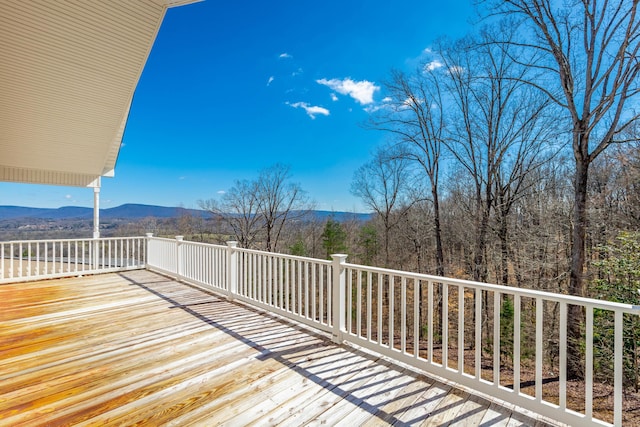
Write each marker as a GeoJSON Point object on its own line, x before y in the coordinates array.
{"type": "Point", "coordinates": [233, 87]}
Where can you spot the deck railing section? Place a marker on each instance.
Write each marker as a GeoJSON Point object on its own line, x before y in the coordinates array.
{"type": "Point", "coordinates": [490, 338]}
{"type": "Point", "coordinates": [295, 287]}
{"type": "Point", "coordinates": [26, 260]}
{"type": "Point", "coordinates": [199, 263]}
{"type": "Point", "coordinates": [474, 334]}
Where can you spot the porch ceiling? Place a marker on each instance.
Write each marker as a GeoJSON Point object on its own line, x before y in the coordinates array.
{"type": "Point", "coordinates": [68, 72]}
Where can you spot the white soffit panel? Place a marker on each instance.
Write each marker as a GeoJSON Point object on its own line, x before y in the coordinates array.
{"type": "Point", "coordinates": [68, 71]}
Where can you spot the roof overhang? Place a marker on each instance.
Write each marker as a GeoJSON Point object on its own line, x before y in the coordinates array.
{"type": "Point", "coordinates": [68, 72]}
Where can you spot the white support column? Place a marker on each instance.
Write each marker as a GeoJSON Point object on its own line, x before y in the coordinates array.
{"type": "Point", "coordinates": [95, 244]}
{"type": "Point", "coordinates": [339, 297]}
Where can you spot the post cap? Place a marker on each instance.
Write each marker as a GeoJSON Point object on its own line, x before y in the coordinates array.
{"type": "Point", "coordinates": [339, 257]}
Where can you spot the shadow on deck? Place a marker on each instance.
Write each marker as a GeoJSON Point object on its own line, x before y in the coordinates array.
{"type": "Point", "coordinates": [138, 347]}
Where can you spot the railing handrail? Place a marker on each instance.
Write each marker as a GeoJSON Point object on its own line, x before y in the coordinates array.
{"type": "Point", "coordinates": [169, 239]}
{"type": "Point", "coordinates": [246, 250]}
{"type": "Point", "coordinates": [511, 290]}
{"type": "Point", "coordinates": [284, 256]}
{"type": "Point", "coordinates": [79, 239]}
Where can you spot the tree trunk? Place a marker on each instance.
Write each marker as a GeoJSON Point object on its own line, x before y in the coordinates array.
{"type": "Point", "coordinates": [387, 231]}
{"type": "Point", "coordinates": [575, 314]}
{"type": "Point", "coordinates": [268, 239]}
{"type": "Point", "coordinates": [437, 232]}
{"type": "Point", "coordinates": [480, 266]}
{"type": "Point", "coordinates": [504, 248]}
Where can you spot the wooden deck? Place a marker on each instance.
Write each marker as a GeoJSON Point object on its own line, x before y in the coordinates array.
{"type": "Point", "coordinates": [137, 348]}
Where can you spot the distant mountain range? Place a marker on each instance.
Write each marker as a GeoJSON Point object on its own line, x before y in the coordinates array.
{"type": "Point", "coordinates": [135, 211]}
{"type": "Point", "coordinates": [128, 211]}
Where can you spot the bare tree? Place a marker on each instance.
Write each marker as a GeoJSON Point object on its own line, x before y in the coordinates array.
{"type": "Point", "coordinates": [382, 184]}
{"type": "Point", "coordinates": [587, 58]}
{"type": "Point", "coordinates": [259, 209]}
{"type": "Point", "coordinates": [527, 146]}
{"type": "Point", "coordinates": [239, 208]}
{"type": "Point", "coordinates": [500, 131]}
{"type": "Point", "coordinates": [414, 115]}
{"type": "Point", "coordinates": [416, 234]}
{"type": "Point", "coordinates": [279, 201]}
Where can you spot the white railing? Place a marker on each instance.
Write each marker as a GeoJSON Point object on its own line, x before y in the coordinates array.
{"type": "Point", "coordinates": [295, 287]}
{"type": "Point", "coordinates": [490, 338]}
{"type": "Point", "coordinates": [199, 263]}
{"type": "Point", "coordinates": [496, 340]}
{"type": "Point", "coordinates": [43, 259]}
{"type": "Point", "coordinates": [474, 334]}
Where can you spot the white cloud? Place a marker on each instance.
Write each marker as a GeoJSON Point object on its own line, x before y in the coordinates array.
{"type": "Point", "coordinates": [271, 79]}
{"type": "Point", "coordinates": [374, 108]}
{"type": "Point", "coordinates": [221, 192]}
{"type": "Point", "coordinates": [388, 104]}
{"type": "Point", "coordinates": [361, 91]}
{"type": "Point", "coordinates": [456, 70]}
{"type": "Point", "coordinates": [435, 64]}
{"type": "Point", "coordinates": [427, 50]}
{"type": "Point", "coordinates": [182, 178]}
{"type": "Point", "coordinates": [285, 55]}
{"type": "Point", "coordinates": [297, 72]}
{"type": "Point", "coordinates": [312, 110]}
{"type": "Point", "coordinates": [68, 196]}
{"type": "Point", "coordinates": [411, 102]}
{"type": "Point", "coordinates": [334, 97]}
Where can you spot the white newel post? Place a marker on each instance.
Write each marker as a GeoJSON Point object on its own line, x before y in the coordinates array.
{"type": "Point", "coordinates": [232, 269]}
{"type": "Point", "coordinates": [339, 297]}
{"type": "Point", "coordinates": [96, 212]}
{"type": "Point", "coordinates": [96, 252]}
{"type": "Point", "coordinates": [147, 248]}
{"type": "Point", "coordinates": [179, 257]}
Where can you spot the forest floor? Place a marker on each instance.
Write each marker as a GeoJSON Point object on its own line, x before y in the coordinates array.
{"type": "Point", "coordinates": [576, 390]}
{"type": "Point", "coordinates": [602, 392]}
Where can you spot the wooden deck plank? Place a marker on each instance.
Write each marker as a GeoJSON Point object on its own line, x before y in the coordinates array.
{"type": "Point", "coordinates": [284, 380]}
{"type": "Point", "coordinates": [317, 379]}
{"type": "Point", "coordinates": [238, 398]}
{"type": "Point", "coordinates": [139, 348]}
{"type": "Point", "coordinates": [392, 410]}
{"type": "Point", "coordinates": [447, 410]}
{"type": "Point", "coordinates": [291, 409]}
{"type": "Point", "coordinates": [471, 413]}
{"type": "Point", "coordinates": [381, 391]}
{"type": "Point", "coordinates": [349, 396]}
{"type": "Point", "coordinates": [421, 409]}
{"type": "Point", "coordinates": [496, 415]}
